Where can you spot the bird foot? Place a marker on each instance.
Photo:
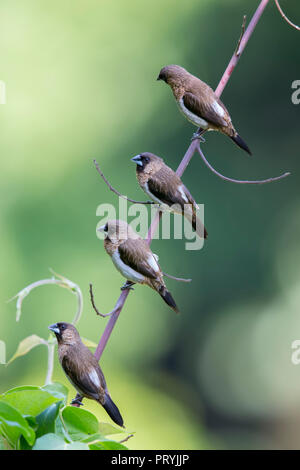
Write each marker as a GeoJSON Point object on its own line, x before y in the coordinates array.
{"type": "Point", "coordinates": [197, 136]}
{"type": "Point", "coordinates": [128, 285]}
{"type": "Point", "coordinates": [77, 401]}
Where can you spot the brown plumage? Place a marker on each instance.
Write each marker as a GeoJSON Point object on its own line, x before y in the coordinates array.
{"type": "Point", "coordinates": [199, 103]}
{"type": "Point", "coordinates": [164, 187]}
{"type": "Point", "coordinates": [134, 259]}
{"type": "Point", "coordinates": [82, 368]}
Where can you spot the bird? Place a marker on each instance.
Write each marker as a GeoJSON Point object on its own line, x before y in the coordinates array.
{"type": "Point", "coordinates": [199, 103]}
{"type": "Point", "coordinates": [134, 259]}
{"type": "Point", "coordinates": [82, 369]}
{"type": "Point", "coordinates": [165, 188]}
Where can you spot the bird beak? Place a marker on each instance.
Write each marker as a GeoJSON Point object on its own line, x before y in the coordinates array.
{"type": "Point", "coordinates": [54, 328]}
{"type": "Point", "coordinates": [101, 229]}
{"type": "Point", "coordinates": [137, 159]}
{"type": "Point", "coordinates": [158, 78]}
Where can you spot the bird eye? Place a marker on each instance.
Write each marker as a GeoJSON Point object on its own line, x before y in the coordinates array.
{"type": "Point", "coordinates": [106, 227]}
{"type": "Point", "coordinates": [146, 159]}
{"type": "Point", "coordinates": [62, 327]}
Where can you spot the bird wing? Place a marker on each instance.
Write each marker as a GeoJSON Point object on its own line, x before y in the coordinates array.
{"type": "Point", "coordinates": [166, 186]}
{"type": "Point", "coordinates": [137, 254]}
{"type": "Point", "coordinates": [204, 109]}
{"type": "Point", "coordinates": [86, 376]}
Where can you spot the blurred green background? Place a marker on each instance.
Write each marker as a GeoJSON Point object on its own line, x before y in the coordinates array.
{"type": "Point", "coordinates": [81, 84]}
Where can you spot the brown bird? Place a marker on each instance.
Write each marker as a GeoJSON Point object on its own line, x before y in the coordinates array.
{"type": "Point", "coordinates": [199, 103]}
{"type": "Point", "coordinates": [165, 188]}
{"type": "Point", "coordinates": [82, 369]}
{"type": "Point", "coordinates": [133, 258]}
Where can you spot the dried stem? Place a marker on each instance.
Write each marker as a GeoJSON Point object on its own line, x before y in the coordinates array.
{"type": "Point", "coordinates": [231, 180]}
{"type": "Point", "coordinates": [115, 190]}
{"type": "Point", "coordinates": [181, 168]}
{"type": "Point", "coordinates": [285, 17]}
{"type": "Point", "coordinates": [237, 51]}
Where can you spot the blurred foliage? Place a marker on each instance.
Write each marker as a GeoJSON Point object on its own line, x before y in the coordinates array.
{"type": "Point", "coordinates": [38, 418]}
{"type": "Point", "coordinates": [81, 84]}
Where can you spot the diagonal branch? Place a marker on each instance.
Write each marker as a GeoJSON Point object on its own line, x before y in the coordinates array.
{"type": "Point", "coordinates": [285, 17]}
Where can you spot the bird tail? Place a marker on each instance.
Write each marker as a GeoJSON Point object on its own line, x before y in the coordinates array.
{"type": "Point", "coordinates": [198, 226]}
{"type": "Point", "coordinates": [240, 143]}
{"type": "Point", "coordinates": [112, 410]}
{"type": "Point", "coordinates": [167, 297]}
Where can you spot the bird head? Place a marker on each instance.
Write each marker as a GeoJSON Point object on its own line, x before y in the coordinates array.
{"type": "Point", "coordinates": [173, 75]}
{"type": "Point", "coordinates": [147, 162]}
{"type": "Point", "coordinates": [65, 333]}
{"type": "Point", "coordinates": [117, 230]}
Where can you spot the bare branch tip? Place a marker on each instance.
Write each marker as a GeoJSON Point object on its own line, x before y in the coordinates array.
{"type": "Point", "coordinates": [285, 17]}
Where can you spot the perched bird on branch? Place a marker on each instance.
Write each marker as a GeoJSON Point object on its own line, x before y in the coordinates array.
{"type": "Point", "coordinates": [82, 369]}
{"type": "Point", "coordinates": [199, 103]}
{"type": "Point", "coordinates": [134, 259]}
{"type": "Point", "coordinates": [165, 188]}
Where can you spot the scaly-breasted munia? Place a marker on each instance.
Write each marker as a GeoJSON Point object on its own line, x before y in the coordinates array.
{"type": "Point", "coordinates": [165, 188]}
{"type": "Point", "coordinates": [199, 103]}
{"type": "Point", "coordinates": [82, 369]}
{"type": "Point", "coordinates": [134, 259]}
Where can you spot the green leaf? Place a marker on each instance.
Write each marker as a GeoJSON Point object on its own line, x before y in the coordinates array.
{"type": "Point", "coordinates": [53, 442]}
{"type": "Point", "coordinates": [106, 429]}
{"type": "Point", "coordinates": [46, 419]}
{"type": "Point", "coordinates": [23, 387]}
{"type": "Point", "coordinates": [80, 423]}
{"type": "Point", "coordinates": [13, 425]}
{"type": "Point", "coordinates": [58, 390]}
{"type": "Point", "coordinates": [29, 402]}
{"type": "Point", "coordinates": [31, 421]}
{"type": "Point", "coordinates": [26, 345]}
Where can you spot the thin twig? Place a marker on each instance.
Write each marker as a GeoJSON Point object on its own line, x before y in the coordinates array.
{"type": "Point", "coordinates": [285, 17]}
{"type": "Point", "coordinates": [231, 180]}
{"type": "Point", "coordinates": [237, 52]}
{"type": "Point", "coordinates": [115, 190]}
{"type": "Point", "coordinates": [126, 438]}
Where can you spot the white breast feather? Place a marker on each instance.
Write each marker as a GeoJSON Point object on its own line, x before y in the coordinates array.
{"type": "Point", "coordinates": [126, 270]}
{"type": "Point", "coordinates": [196, 120]}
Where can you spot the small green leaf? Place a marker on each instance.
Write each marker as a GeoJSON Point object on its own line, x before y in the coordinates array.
{"type": "Point", "coordinates": [80, 423]}
{"type": "Point", "coordinates": [29, 402]}
{"type": "Point", "coordinates": [99, 442]}
{"type": "Point", "coordinates": [46, 419]}
{"type": "Point", "coordinates": [58, 390]}
{"type": "Point", "coordinates": [53, 442]}
{"type": "Point", "coordinates": [31, 421]}
{"type": "Point", "coordinates": [26, 345]}
{"type": "Point", "coordinates": [108, 445]}
{"type": "Point", "coordinates": [13, 425]}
